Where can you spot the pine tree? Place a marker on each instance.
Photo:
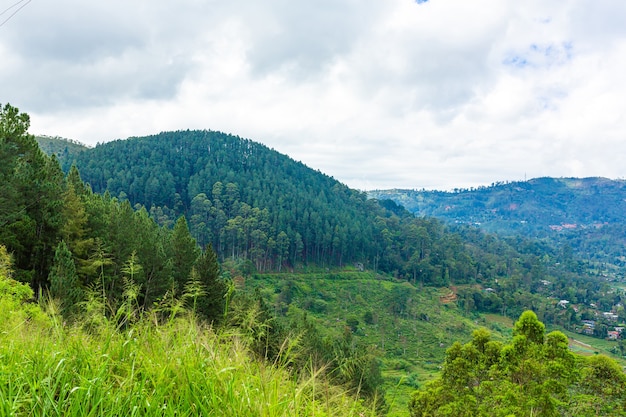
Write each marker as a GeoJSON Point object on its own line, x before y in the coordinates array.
{"type": "Point", "coordinates": [184, 253]}
{"type": "Point", "coordinates": [30, 196]}
{"type": "Point", "coordinates": [156, 277]}
{"type": "Point", "coordinates": [74, 231]}
{"type": "Point", "coordinates": [64, 282]}
{"type": "Point", "coordinates": [211, 303]}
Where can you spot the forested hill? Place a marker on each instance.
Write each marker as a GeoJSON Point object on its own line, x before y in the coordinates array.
{"type": "Point", "coordinates": [540, 202]}
{"type": "Point", "coordinates": [65, 149]}
{"type": "Point", "coordinates": [245, 199]}
{"type": "Point", "coordinates": [586, 215]}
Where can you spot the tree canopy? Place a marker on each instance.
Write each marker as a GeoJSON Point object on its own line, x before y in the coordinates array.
{"type": "Point", "coordinates": [535, 374]}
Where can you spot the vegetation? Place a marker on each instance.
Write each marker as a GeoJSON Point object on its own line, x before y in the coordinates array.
{"type": "Point", "coordinates": [582, 217]}
{"type": "Point", "coordinates": [534, 375]}
{"type": "Point", "coordinates": [269, 213]}
{"type": "Point", "coordinates": [398, 332]}
{"type": "Point", "coordinates": [64, 149]}
{"type": "Point", "coordinates": [69, 240]}
{"type": "Point", "coordinates": [158, 365]}
{"type": "Point", "coordinates": [198, 245]}
{"type": "Point", "coordinates": [114, 275]}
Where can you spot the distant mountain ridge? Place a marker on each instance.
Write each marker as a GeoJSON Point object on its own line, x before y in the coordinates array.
{"type": "Point", "coordinates": [539, 202]}
{"type": "Point", "coordinates": [66, 150]}
{"type": "Point", "coordinates": [586, 213]}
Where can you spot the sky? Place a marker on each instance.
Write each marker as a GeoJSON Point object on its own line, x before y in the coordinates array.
{"type": "Point", "coordinates": [379, 94]}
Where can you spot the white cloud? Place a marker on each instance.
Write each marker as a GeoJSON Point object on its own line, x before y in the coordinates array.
{"type": "Point", "coordinates": [440, 94]}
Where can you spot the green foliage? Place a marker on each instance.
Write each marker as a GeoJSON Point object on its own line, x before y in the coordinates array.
{"type": "Point", "coordinates": [150, 368]}
{"type": "Point", "coordinates": [211, 300]}
{"type": "Point", "coordinates": [184, 252]}
{"type": "Point", "coordinates": [532, 375]}
{"type": "Point", "coordinates": [406, 348]}
{"type": "Point", "coordinates": [530, 328]}
{"type": "Point", "coordinates": [582, 217]}
{"type": "Point", "coordinates": [16, 299]}
{"type": "Point", "coordinates": [145, 363]}
{"type": "Point", "coordinates": [261, 211]}
{"type": "Point", "coordinates": [31, 188]}
{"type": "Point", "coordinates": [353, 323]}
{"type": "Point", "coordinates": [254, 204]}
{"type": "Point", "coordinates": [64, 149]}
{"type": "Point", "coordinates": [64, 283]}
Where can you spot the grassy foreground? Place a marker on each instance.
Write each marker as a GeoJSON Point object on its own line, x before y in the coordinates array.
{"type": "Point", "coordinates": [177, 367]}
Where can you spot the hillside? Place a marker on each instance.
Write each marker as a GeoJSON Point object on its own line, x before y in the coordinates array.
{"type": "Point", "coordinates": [586, 215]}
{"type": "Point", "coordinates": [65, 150]}
{"type": "Point", "coordinates": [240, 196]}
{"type": "Point", "coordinates": [407, 328]}
{"type": "Point", "coordinates": [149, 365]}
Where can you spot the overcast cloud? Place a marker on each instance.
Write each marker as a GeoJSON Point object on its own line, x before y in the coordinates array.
{"type": "Point", "coordinates": [379, 94]}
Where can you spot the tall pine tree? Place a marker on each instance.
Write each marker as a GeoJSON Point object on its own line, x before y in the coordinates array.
{"type": "Point", "coordinates": [184, 252]}
{"type": "Point", "coordinates": [64, 282]}
{"type": "Point", "coordinates": [211, 304]}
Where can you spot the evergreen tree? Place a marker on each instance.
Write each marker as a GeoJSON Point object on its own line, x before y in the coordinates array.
{"type": "Point", "coordinates": [156, 277]}
{"type": "Point", "coordinates": [184, 252]}
{"type": "Point", "coordinates": [30, 198]}
{"type": "Point", "coordinates": [211, 303]}
{"type": "Point", "coordinates": [64, 282]}
{"type": "Point", "coordinates": [75, 230]}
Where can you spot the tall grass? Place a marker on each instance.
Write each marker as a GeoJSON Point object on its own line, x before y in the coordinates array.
{"type": "Point", "coordinates": [176, 367]}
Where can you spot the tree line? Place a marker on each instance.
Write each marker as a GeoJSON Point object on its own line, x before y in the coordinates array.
{"type": "Point", "coordinates": [67, 239]}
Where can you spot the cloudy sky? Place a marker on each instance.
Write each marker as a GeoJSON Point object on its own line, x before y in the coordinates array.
{"type": "Point", "coordinates": [380, 94]}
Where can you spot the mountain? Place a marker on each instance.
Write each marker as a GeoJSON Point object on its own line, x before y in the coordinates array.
{"type": "Point", "coordinates": [65, 150]}
{"type": "Point", "coordinates": [245, 199]}
{"type": "Point", "coordinates": [583, 215]}
{"type": "Point", "coordinates": [106, 264]}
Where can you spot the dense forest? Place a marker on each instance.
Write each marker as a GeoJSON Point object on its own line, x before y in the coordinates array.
{"type": "Point", "coordinates": [248, 201]}
{"type": "Point", "coordinates": [104, 263]}
{"type": "Point", "coordinates": [68, 239]}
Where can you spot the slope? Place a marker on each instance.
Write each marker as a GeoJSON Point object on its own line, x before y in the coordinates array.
{"type": "Point", "coordinates": [272, 207]}
{"type": "Point", "coordinates": [406, 327]}
{"type": "Point", "coordinates": [263, 211]}
{"type": "Point", "coordinates": [583, 215]}
{"type": "Point", "coordinates": [65, 150]}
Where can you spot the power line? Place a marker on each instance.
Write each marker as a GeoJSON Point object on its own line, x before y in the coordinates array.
{"type": "Point", "coordinates": [12, 6]}
{"type": "Point", "coordinates": [15, 12]}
